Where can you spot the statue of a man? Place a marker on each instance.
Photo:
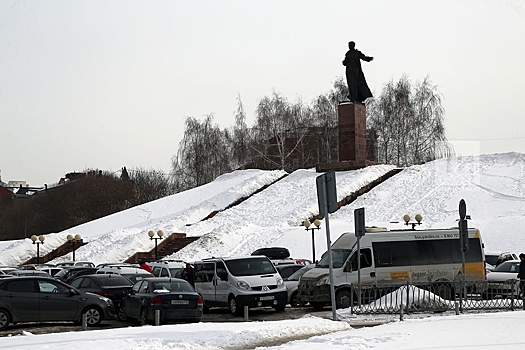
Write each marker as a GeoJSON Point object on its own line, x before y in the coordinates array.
{"type": "Point", "coordinates": [357, 86]}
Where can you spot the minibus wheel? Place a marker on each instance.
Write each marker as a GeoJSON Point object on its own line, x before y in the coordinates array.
{"type": "Point", "coordinates": [343, 299]}
{"type": "Point", "coordinates": [233, 306]}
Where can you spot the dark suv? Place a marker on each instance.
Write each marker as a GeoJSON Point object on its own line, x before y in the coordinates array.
{"type": "Point", "coordinates": [43, 299]}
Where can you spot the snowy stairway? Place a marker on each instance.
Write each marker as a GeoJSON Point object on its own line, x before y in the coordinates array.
{"type": "Point", "coordinates": [171, 244]}
{"type": "Point", "coordinates": [352, 197]}
{"type": "Point", "coordinates": [64, 249]}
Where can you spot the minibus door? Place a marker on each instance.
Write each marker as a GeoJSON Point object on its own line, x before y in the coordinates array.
{"type": "Point", "coordinates": [368, 273]}
{"type": "Point", "coordinates": [222, 285]}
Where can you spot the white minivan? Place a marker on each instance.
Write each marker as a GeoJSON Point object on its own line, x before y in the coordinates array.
{"type": "Point", "coordinates": [237, 282]}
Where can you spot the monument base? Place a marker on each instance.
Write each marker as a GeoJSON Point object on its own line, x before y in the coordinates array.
{"type": "Point", "coordinates": [352, 132]}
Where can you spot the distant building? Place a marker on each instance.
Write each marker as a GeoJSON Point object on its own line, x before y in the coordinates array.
{"type": "Point", "coordinates": [17, 184]}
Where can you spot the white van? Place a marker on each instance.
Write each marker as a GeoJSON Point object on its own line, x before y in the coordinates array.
{"type": "Point", "coordinates": [393, 257]}
{"type": "Point", "coordinates": [167, 268]}
{"type": "Point", "coordinates": [237, 282]}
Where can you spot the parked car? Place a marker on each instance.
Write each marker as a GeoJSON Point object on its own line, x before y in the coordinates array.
{"type": "Point", "coordinates": [304, 262]}
{"type": "Point", "coordinates": [111, 286]}
{"type": "Point", "coordinates": [292, 283]}
{"type": "Point", "coordinates": [75, 263]}
{"type": "Point", "coordinates": [43, 299]}
{"type": "Point", "coordinates": [492, 258]}
{"type": "Point", "coordinates": [68, 273]}
{"type": "Point", "coordinates": [287, 270]}
{"type": "Point", "coordinates": [503, 280]}
{"type": "Point", "coordinates": [117, 264]}
{"type": "Point", "coordinates": [6, 269]}
{"type": "Point", "coordinates": [167, 268]}
{"type": "Point", "coordinates": [29, 273]}
{"type": "Point", "coordinates": [52, 271]}
{"type": "Point", "coordinates": [135, 274]}
{"type": "Point", "coordinates": [175, 298]}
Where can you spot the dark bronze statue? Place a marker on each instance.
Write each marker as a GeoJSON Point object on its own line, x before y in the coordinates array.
{"type": "Point", "coordinates": [357, 86]}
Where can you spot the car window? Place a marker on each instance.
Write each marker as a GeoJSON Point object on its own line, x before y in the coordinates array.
{"type": "Point", "coordinates": [144, 288]}
{"type": "Point", "coordinates": [173, 286]}
{"type": "Point", "coordinates": [176, 272]}
{"type": "Point", "coordinates": [204, 272]}
{"type": "Point", "coordinates": [136, 287]}
{"type": "Point", "coordinates": [136, 278]}
{"type": "Point", "coordinates": [156, 271]}
{"type": "Point", "coordinates": [115, 280]}
{"type": "Point", "coordinates": [297, 274]}
{"type": "Point", "coordinates": [52, 287]}
{"type": "Point", "coordinates": [164, 272]}
{"type": "Point", "coordinates": [508, 266]}
{"type": "Point", "coordinates": [250, 267]}
{"type": "Point", "coordinates": [87, 283]}
{"type": "Point", "coordinates": [21, 286]}
{"type": "Point", "coordinates": [76, 283]}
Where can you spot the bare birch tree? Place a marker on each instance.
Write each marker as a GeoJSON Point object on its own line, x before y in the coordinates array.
{"type": "Point", "coordinates": [409, 123]}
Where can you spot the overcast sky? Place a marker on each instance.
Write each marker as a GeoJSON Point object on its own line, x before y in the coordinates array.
{"type": "Point", "coordinates": [107, 84]}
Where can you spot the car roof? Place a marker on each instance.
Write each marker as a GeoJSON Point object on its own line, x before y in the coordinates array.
{"type": "Point", "coordinates": [167, 263]}
{"type": "Point", "coordinates": [281, 266]}
{"type": "Point", "coordinates": [160, 279]}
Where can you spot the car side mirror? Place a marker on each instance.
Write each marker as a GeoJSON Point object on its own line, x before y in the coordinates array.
{"type": "Point", "coordinates": [73, 291]}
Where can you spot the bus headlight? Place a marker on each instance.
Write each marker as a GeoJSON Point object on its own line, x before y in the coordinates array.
{"type": "Point", "coordinates": [323, 280]}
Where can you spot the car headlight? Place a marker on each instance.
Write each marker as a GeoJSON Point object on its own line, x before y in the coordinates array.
{"type": "Point", "coordinates": [323, 280]}
{"type": "Point", "coordinates": [279, 281]}
{"type": "Point", "coordinates": [106, 300]}
{"type": "Point", "coordinates": [243, 285]}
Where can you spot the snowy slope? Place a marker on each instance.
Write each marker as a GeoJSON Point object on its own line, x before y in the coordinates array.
{"type": "Point", "coordinates": [117, 236]}
{"type": "Point", "coordinates": [493, 187]}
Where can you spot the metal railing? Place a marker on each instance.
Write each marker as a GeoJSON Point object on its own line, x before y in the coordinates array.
{"type": "Point", "coordinates": [436, 297]}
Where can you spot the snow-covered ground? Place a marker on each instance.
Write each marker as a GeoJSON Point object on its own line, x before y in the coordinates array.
{"type": "Point", "coordinates": [493, 187]}
{"type": "Point", "coordinates": [503, 330]}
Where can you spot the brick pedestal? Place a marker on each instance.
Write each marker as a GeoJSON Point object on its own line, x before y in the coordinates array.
{"type": "Point", "coordinates": [352, 132]}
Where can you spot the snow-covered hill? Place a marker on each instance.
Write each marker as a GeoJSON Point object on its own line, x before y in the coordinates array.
{"type": "Point", "coordinates": [493, 187]}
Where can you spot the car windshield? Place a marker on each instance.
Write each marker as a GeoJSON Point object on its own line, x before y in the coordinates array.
{"type": "Point", "coordinates": [250, 267]}
{"type": "Point", "coordinates": [297, 274]}
{"type": "Point", "coordinates": [176, 272]}
{"type": "Point", "coordinates": [137, 277]}
{"type": "Point", "coordinates": [172, 286]}
{"type": "Point", "coordinates": [339, 257]}
{"type": "Point", "coordinates": [508, 266]}
{"type": "Point", "coordinates": [115, 281]}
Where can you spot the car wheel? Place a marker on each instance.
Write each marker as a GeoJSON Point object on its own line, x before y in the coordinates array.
{"type": "Point", "coordinates": [143, 319]}
{"type": "Point", "coordinates": [93, 316]}
{"type": "Point", "coordinates": [233, 306]}
{"type": "Point", "coordinates": [121, 313]}
{"type": "Point", "coordinates": [343, 299]}
{"type": "Point", "coordinates": [294, 300]}
{"type": "Point", "coordinates": [5, 319]}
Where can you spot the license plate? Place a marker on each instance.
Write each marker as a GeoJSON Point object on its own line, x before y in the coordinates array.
{"type": "Point", "coordinates": [179, 302]}
{"type": "Point", "coordinates": [271, 297]}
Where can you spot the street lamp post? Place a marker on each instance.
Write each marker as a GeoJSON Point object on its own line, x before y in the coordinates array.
{"type": "Point", "coordinates": [151, 235]}
{"type": "Point", "coordinates": [38, 241]}
{"type": "Point", "coordinates": [307, 224]}
{"type": "Point", "coordinates": [72, 240]}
